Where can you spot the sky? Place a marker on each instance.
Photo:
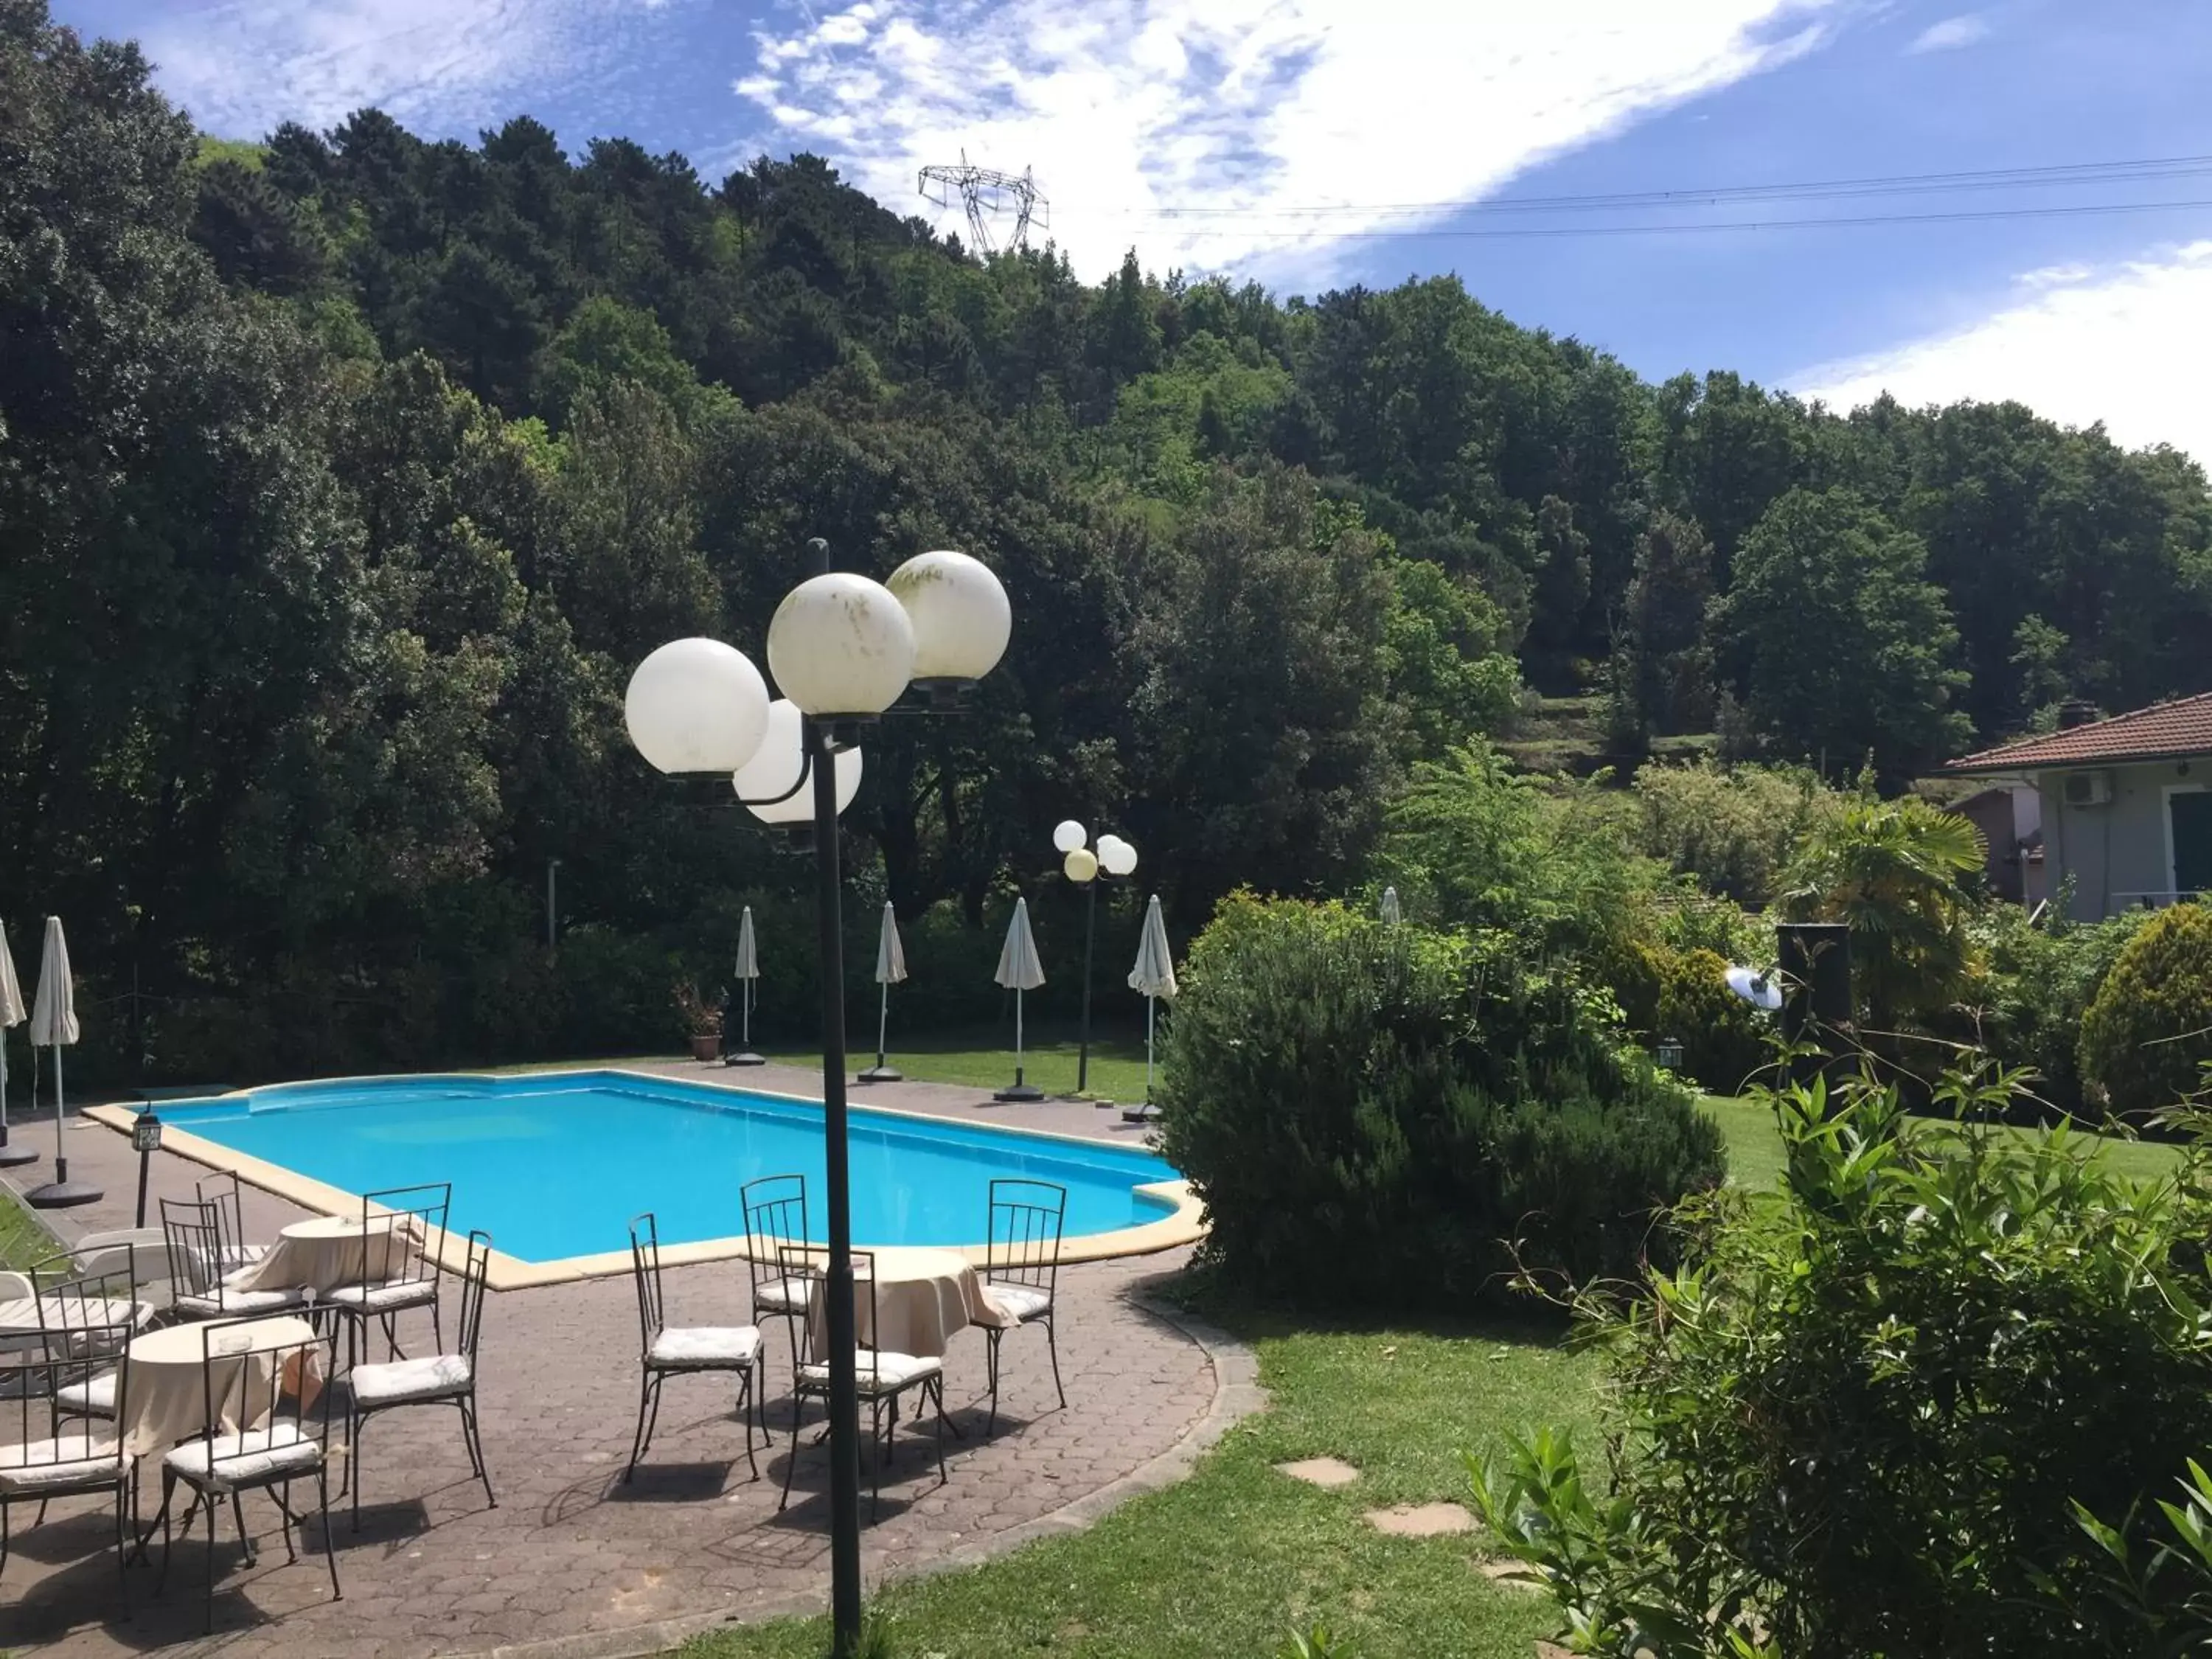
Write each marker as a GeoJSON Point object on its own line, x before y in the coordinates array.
{"type": "Point", "coordinates": [1309, 145]}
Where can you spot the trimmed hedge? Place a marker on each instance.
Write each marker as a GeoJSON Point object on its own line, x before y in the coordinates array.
{"type": "Point", "coordinates": [2147, 1036]}
{"type": "Point", "coordinates": [1380, 1114]}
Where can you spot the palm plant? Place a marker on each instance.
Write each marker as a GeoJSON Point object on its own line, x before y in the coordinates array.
{"type": "Point", "coordinates": [1896, 871]}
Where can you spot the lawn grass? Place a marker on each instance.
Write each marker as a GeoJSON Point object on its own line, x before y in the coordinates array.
{"type": "Point", "coordinates": [22, 1241]}
{"type": "Point", "coordinates": [987, 1061]}
{"type": "Point", "coordinates": [1226, 1561]}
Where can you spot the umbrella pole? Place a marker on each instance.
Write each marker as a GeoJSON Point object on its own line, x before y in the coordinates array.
{"type": "Point", "coordinates": [1151, 1008]}
{"type": "Point", "coordinates": [883, 1021]}
{"type": "Point", "coordinates": [61, 1158]}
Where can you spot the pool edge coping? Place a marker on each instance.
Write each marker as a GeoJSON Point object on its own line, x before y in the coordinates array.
{"type": "Point", "coordinates": [1184, 1225]}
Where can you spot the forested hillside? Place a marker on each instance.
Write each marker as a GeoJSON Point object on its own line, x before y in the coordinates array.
{"type": "Point", "coordinates": [343, 479]}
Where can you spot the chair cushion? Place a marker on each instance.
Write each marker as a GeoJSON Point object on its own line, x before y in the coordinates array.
{"type": "Point", "coordinates": [237, 1302]}
{"type": "Point", "coordinates": [882, 1372]}
{"type": "Point", "coordinates": [431, 1377]}
{"type": "Point", "coordinates": [383, 1299]}
{"type": "Point", "coordinates": [1022, 1301]}
{"type": "Point", "coordinates": [93, 1398]}
{"type": "Point", "coordinates": [704, 1347]}
{"type": "Point", "coordinates": [261, 1454]}
{"type": "Point", "coordinates": [51, 1466]}
{"type": "Point", "coordinates": [780, 1295]}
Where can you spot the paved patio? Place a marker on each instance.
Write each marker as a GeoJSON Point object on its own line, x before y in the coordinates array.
{"type": "Point", "coordinates": [571, 1552]}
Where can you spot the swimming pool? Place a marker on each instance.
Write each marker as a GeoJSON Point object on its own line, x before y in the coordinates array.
{"type": "Point", "coordinates": [554, 1164]}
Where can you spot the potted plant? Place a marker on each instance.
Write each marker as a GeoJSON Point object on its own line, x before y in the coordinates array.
{"type": "Point", "coordinates": [701, 1021]}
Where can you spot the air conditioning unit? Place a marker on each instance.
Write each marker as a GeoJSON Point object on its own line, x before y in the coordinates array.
{"type": "Point", "coordinates": [2088, 788]}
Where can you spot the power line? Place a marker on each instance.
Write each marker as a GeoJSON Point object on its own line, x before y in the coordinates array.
{"type": "Point", "coordinates": [1961, 216]}
{"type": "Point", "coordinates": [2070, 174]}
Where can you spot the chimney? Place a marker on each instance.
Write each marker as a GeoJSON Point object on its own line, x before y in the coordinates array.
{"type": "Point", "coordinates": [2076, 711]}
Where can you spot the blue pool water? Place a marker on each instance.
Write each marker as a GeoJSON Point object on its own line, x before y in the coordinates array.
{"type": "Point", "coordinates": [555, 1166]}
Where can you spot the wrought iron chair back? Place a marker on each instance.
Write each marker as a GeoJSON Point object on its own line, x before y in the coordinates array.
{"type": "Point", "coordinates": [776, 1215]}
{"type": "Point", "coordinates": [414, 1217]}
{"type": "Point", "coordinates": [83, 1312]}
{"type": "Point", "coordinates": [1023, 1244]}
{"type": "Point", "coordinates": [645, 1273]}
{"type": "Point", "coordinates": [193, 1232]}
{"type": "Point", "coordinates": [476, 1272]}
{"type": "Point", "coordinates": [225, 1195]}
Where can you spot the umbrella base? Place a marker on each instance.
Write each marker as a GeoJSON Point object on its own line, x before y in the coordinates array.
{"type": "Point", "coordinates": [748, 1058]}
{"type": "Point", "coordinates": [1022, 1092]}
{"type": "Point", "coordinates": [62, 1195]}
{"type": "Point", "coordinates": [14, 1158]}
{"type": "Point", "coordinates": [881, 1074]}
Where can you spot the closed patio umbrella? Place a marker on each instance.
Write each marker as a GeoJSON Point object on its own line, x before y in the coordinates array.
{"type": "Point", "coordinates": [53, 1026]}
{"type": "Point", "coordinates": [1153, 976]}
{"type": "Point", "coordinates": [12, 1014]}
{"type": "Point", "coordinates": [1020, 970]}
{"type": "Point", "coordinates": [1390, 911]}
{"type": "Point", "coordinates": [890, 969]}
{"type": "Point", "coordinates": [748, 977]}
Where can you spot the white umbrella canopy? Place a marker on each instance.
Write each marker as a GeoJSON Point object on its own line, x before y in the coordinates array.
{"type": "Point", "coordinates": [748, 972]}
{"type": "Point", "coordinates": [1020, 970]}
{"type": "Point", "coordinates": [53, 1026]}
{"type": "Point", "coordinates": [1154, 975]}
{"type": "Point", "coordinates": [890, 969]}
{"type": "Point", "coordinates": [1390, 911]}
{"type": "Point", "coordinates": [12, 1013]}
{"type": "Point", "coordinates": [891, 955]}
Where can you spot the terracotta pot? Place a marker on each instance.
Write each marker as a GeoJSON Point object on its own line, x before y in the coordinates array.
{"type": "Point", "coordinates": [706, 1045]}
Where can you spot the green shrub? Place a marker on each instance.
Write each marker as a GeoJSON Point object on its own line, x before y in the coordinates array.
{"type": "Point", "coordinates": [2150, 1030]}
{"type": "Point", "coordinates": [2033, 986]}
{"type": "Point", "coordinates": [1370, 1113]}
{"type": "Point", "coordinates": [1733, 828]}
{"type": "Point", "coordinates": [1860, 1423]}
{"type": "Point", "coordinates": [1683, 994]}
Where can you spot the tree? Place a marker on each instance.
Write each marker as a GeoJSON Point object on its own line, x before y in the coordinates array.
{"type": "Point", "coordinates": [1662, 669]}
{"type": "Point", "coordinates": [1849, 645]}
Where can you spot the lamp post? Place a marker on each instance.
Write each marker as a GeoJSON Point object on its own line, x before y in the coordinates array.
{"type": "Point", "coordinates": [552, 924]}
{"type": "Point", "coordinates": [145, 1140]}
{"type": "Point", "coordinates": [1088, 869]}
{"type": "Point", "coordinates": [844, 650]}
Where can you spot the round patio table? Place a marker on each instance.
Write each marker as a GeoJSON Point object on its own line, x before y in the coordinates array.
{"type": "Point", "coordinates": [922, 1296]}
{"type": "Point", "coordinates": [326, 1251]}
{"type": "Point", "coordinates": [169, 1387]}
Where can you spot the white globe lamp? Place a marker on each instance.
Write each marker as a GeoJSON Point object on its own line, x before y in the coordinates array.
{"type": "Point", "coordinates": [769, 783]}
{"type": "Point", "coordinates": [1116, 856]}
{"type": "Point", "coordinates": [841, 646]}
{"type": "Point", "coordinates": [696, 705]}
{"type": "Point", "coordinates": [962, 619]}
{"type": "Point", "coordinates": [1068, 835]}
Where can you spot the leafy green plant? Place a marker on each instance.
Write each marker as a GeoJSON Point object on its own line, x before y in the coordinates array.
{"type": "Point", "coordinates": [2150, 1027]}
{"type": "Point", "coordinates": [1684, 995]}
{"type": "Point", "coordinates": [1376, 1113]}
{"type": "Point", "coordinates": [1316, 1643]}
{"type": "Point", "coordinates": [1893, 870]}
{"type": "Point", "coordinates": [1859, 1421]}
{"type": "Point", "coordinates": [2030, 986]}
{"type": "Point", "coordinates": [1734, 828]}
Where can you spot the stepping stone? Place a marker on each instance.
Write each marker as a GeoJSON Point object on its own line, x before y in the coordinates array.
{"type": "Point", "coordinates": [1511, 1573]}
{"type": "Point", "coordinates": [1421, 1520]}
{"type": "Point", "coordinates": [1320, 1471]}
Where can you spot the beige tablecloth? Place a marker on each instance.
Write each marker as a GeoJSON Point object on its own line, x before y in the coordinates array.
{"type": "Point", "coordinates": [922, 1296]}
{"type": "Point", "coordinates": [325, 1252]}
{"type": "Point", "coordinates": [167, 1400]}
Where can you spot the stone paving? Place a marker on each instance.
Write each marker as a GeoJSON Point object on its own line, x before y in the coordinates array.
{"type": "Point", "coordinates": [573, 1553]}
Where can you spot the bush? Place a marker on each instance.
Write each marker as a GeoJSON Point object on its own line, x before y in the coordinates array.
{"type": "Point", "coordinates": [1683, 994]}
{"type": "Point", "coordinates": [1733, 828]}
{"type": "Point", "coordinates": [1371, 1112]}
{"type": "Point", "coordinates": [2033, 986]}
{"type": "Point", "coordinates": [1860, 1424]}
{"type": "Point", "coordinates": [2150, 1030]}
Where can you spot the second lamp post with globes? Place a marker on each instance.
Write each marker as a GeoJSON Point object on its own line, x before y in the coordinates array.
{"type": "Point", "coordinates": [844, 651]}
{"type": "Point", "coordinates": [1087, 868]}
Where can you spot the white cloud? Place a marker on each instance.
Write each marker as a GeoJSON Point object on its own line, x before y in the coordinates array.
{"type": "Point", "coordinates": [1952, 33]}
{"type": "Point", "coordinates": [1214, 134]}
{"type": "Point", "coordinates": [244, 66]}
{"type": "Point", "coordinates": [2127, 344]}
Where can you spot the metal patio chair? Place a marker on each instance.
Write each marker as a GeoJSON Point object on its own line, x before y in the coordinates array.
{"type": "Point", "coordinates": [78, 1317]}
{"type": "Point", "coordinates": [666, 1350]}
{"type": "Point", "coordinates": [48, 1457]}
{"type": "Point", "coordinates": [407, 1225]}
{"type": "Point", "coordinates": [1021, 1268]}
{"type": "Point", "coordinates": [226, 1193]}
{"type": "Point", "coordinates": [442, 1379]}
{"type": "Point", "coordinates": [195, 1234]}
{"type": "Point", "coordinates": [883, 1376]}
{"type": "Point", "coordinates": [776, 1215]}
{"type": "Point", "coordinates": [261, 1384]}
